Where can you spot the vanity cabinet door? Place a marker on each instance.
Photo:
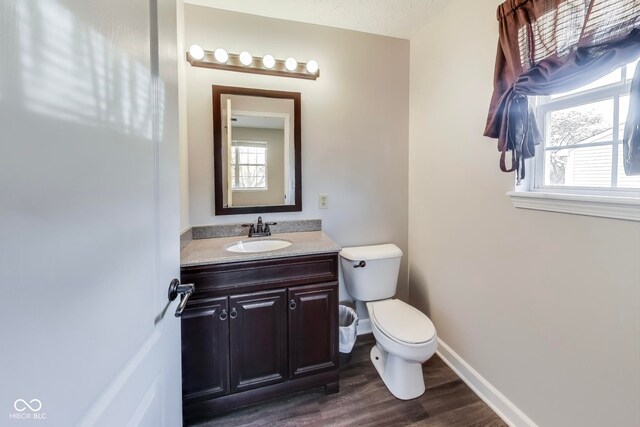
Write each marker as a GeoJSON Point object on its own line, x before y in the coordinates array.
{"type": "Point", "coordinates": [205, 349]}
{"type": "Point", "coordinates": [258, 328]}
{"type": "Point", "coordinates": [313, 329]}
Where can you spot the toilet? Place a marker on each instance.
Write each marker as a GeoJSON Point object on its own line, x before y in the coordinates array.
{"type": "Point", "coordinates": [405, 337]}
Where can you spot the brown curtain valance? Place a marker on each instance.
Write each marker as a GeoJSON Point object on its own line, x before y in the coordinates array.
{"type": "Point", "coordinates": [553, 46]}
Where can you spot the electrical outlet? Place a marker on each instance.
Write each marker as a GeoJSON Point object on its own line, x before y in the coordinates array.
{"type": "Point", "coordinates": [323, 201]}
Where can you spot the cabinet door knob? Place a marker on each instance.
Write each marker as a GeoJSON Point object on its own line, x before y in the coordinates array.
{"type": "Point", "coordinates": [292, 304]}
{"type": "Point", "coordinates": [233, 313]}
{"type": "Point", "coordinates": [224, 315]}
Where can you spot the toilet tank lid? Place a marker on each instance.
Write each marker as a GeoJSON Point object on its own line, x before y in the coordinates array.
{"type": "Point", "coordinates": [367, 253]}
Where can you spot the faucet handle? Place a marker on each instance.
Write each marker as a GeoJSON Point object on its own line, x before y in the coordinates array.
{"type": "Point", "coordinates": [252, 228]}
{"type": "Point", "coordinates": [267, 229]}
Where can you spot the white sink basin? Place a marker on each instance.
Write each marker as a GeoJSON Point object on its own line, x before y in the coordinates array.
{"type": "Point", "coordinates": [249, 246]}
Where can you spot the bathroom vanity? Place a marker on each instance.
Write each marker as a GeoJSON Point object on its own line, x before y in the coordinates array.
{"type": "Point", "coordinates": [259, 324]}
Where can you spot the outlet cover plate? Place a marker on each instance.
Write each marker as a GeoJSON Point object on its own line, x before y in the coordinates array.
{"type": "Point", "coordinates": [323, 201]}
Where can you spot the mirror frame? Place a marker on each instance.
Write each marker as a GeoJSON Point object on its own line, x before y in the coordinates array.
{"type": "Point", "coordinates": [218, 91]}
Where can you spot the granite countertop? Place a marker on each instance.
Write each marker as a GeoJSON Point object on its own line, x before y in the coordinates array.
{"type": "Point", "coordinates": [212, 251]}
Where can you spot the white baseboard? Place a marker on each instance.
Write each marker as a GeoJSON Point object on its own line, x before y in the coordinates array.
{"type": "Point", "coordinates": [480, 386]}
{"type": "Point", "coordinates": [364, 326]}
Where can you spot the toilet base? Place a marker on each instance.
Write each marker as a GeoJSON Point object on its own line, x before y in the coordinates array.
{"type": "Point", "coordinates": [404, 380]}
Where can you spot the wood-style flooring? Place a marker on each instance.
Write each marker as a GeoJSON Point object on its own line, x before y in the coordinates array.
{"type": "Point", "coordinates": [365, 401]}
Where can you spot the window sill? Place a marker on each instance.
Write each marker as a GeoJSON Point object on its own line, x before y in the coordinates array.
{"type": "Point", "coordinates": [627, 208]}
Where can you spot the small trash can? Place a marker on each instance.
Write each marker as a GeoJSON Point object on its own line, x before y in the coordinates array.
{"type": "Point", "coordinates": [347, 322]}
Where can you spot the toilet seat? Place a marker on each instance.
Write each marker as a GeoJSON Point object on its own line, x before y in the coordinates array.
{"type": "Point", "coordinates": [401, 322]}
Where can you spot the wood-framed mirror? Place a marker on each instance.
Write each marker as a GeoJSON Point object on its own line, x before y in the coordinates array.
{"type": "Point", "coordinates": [257, 150]}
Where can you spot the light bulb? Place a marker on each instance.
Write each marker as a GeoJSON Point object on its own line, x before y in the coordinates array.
{"type": "Point", "coordinates": [246, 58]}
{"type": "Point", "coordinates": [221, 55]}
{"type": "Point", "coordinates": [312, 66]}
{"type": "Point", "coordinates": [291, 64]}
{"type": "Point", "coordinates": [268, 61]}
{"type": "Point", "coordinates": [196, 52]}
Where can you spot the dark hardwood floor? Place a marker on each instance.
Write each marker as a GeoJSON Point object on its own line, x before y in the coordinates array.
{"type": "Point", "coordinates": [365, 401]}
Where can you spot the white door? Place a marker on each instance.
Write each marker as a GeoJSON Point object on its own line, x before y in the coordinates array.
{"type": "Point", "coordinates": [88, 213]}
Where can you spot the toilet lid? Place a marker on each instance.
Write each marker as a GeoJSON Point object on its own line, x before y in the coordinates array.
{"type": "Point", "coordinates": [402, 322]}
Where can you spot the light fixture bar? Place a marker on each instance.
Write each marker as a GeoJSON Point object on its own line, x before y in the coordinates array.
{"type": "Point", "coordinates": [256, 66]}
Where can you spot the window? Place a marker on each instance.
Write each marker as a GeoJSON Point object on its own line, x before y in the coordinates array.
{"type": "Point", "coordinates": [578, 168]}
{"type": "Point", "coordinates": [583, 130]}
{"type": "Point", "coordinates": [249, 165]}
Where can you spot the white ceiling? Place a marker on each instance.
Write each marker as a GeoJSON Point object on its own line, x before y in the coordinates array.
{"type": "Point", "coordinates": [395, 18]}
{"type": "Point", "coordinates": [259, 122]}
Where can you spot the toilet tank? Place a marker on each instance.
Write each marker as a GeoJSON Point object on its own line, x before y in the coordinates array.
{"type": "Point", "coordinates": [376, 274]}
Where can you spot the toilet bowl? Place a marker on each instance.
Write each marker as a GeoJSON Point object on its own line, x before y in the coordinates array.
{"type": "Point", "coordinates": [405, 337]}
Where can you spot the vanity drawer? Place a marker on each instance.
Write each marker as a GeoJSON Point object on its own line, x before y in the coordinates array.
{"type": "Point", "coordinates": [255, 275]}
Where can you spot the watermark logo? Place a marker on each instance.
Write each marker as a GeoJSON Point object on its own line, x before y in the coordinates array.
{"type": "Point", "coordinates": [28, 410]}
{"type": "Point", "coordinates": [21, 405]}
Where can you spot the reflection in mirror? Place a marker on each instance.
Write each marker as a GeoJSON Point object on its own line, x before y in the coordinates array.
{"type": "Point", "coordinates": [256, 150]}
{"type": "Point", "coordinates": [258, 164]}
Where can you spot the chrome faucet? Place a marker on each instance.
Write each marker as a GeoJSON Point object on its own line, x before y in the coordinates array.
{"type": "Point", "coordinates": [260, 229]}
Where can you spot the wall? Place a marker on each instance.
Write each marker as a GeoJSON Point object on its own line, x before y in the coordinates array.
{"type": "Point", "coordinates": [545, 306]}
{"type": "Point", "coordinates": [355, 121]}
{"type": "Point", "coordinates": [274, 194]}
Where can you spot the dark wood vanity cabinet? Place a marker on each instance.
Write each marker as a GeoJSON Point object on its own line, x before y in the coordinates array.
{"type": "Point", "coordinates": [205, 362]}
{"type": "Point", "coordinates": [258, 339]}
{"type": "Point", "coordinates": [254, 330]}
{"type": "Point", "coordinates": [313, 345]}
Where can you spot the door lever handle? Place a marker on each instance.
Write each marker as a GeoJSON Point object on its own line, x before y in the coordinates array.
{"type": "Point", "coordinates": [185, 291]}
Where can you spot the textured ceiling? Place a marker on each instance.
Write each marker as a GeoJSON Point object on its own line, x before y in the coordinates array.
{"type": "Point", "coordinates": [395, 18]}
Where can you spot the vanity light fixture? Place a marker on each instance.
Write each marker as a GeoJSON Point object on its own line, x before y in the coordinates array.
{"type": "Point", "coordinates": [246, 58]}
{"type": "Point", "coordinates": [196, 51]}
{"type": "Point", "coordinates": [221, 55]}
{"type": "Point", "coordinates": [246, 63]}
{"type": "Point", "coordinates": [312, 66]}
{"type": "Point", "coordinates": [268, 61]}
{"type": "Point", "coordinates": [291, 64]}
